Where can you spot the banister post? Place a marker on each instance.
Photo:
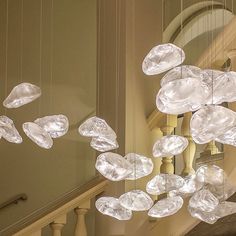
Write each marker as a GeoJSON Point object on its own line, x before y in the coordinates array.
{"type": "Point", "coordinates": [189, 152]}
{"type": "Point", "coordinates": [57, 225]}
{"type": "Point", "coordinates": [81, 211]}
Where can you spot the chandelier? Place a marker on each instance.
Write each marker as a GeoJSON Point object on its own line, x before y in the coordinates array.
{"type": "Point", "coordinates": [184, 88]}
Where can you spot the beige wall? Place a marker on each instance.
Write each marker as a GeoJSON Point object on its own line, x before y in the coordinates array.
{"type": "Point", "coordinates": [45, 175]}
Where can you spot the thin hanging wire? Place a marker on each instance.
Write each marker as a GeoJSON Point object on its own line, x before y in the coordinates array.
{"type": "Point", "coordinates": [6, 51]}
{"type": "Point", "coordinates": [98, 55]}
{"type": "Point", "coordinates": [40, 51]}
{"type": "Point", "coordinates": [162, 19]}
{"type": "Point", "coordinates": [134, 112]}
{"type": "Point", "coordinates": [51, 54]}
{"type": "Point", "coordinates": [212, 38]}
{"type": "Point", "coordinates": [21, 40]}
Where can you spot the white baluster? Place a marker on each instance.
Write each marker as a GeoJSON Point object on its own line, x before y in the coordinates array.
{"type": "Point", "coordinates": [57, 225]}
{"type": "Point", "coordinates": [81, 211]}
{"type": "Point", "coordinates": [168, 127]}
{"type": "Point", "coordinates": [189, 152]}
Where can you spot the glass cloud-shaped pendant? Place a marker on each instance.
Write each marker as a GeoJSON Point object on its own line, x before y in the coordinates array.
{"type": "Point", "coordinates": [180, 72]}
{"type": "Point", "coordinates": [111, 206]}
{"type": "Point", "coordinates": [22, 94]}
{"type": "Point", "coordinates": [38, 135]}
{"type": "Point", "coordinates": [8, 130]}
{"type": "Point", "coordinates": [164, 183]}
{"type": "Point", "coordinates": [142, 166]}
{"type": "Point", "coordinates": [162, 58]}
{"type": "Point", "coordinates": [96, 127]}
{"type": "Point", "coordinates": [113, 166]}
{"type": "Point", "coordinates": [213, 122]}
{"type": "Point", "coordinates": [166, 207]}
{"type": "Point", "coordinates": [103, 136]}
{"type": "Point", "coordinates": [55, 125]}
{"type": "Point", "coordinates": [210, 174]}
{"type": "Point", "coordinates": [191, 185]}
{"type": "Point", "coordinates": [104, 144]}
{"type": "Point", "coordinates": [169, 145]}
{"type": "Point", "coordinates": [222, 210]}
{"type": "Point", "coordinates": [136, 200]}
{"type": "Point", "coordinates": [181, 96]}
{"type": "Point", "coordinates": [203, 200]}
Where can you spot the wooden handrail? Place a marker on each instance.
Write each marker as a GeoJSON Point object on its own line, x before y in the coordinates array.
{"type": "Point", "coordinates": [14, 200]}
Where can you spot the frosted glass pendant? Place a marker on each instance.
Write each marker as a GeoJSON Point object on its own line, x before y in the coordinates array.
{"type": "Point", "coordinates": [136, 200]}
{"type": "Point", "coordinates": [169, 145]}
{"type": "Point", "coordinates": [38, 135]}
{"type": "Point", "coordinates": [55, 125]}
{"type": "Point", "coordinates": [166, 207]}
{"type": "Point", "coordinates": [208, 217]}
{"type": "Point", "coordinates": [212, 122]}
{"type": "Point", "coordinates": [180, 72]}
{"type": "Point", "coordinates": [142, 166]}
{"type": "Point", "coordinates": [164, 183]}
{"type": "Point", "coordinates": [210, 174]}
{"type": "Point", "coordinates": [203, 200]}
{"type": "Point", "coordinates": [22, 94]}
{"type": "Point", "coordinates": [113, 166]}
{"type": "Point", "coordinates": [103, 144]}
{"type": "Point", "coordinates": [181, 96]}
{"type": "Point", "coordinates": [8, 130]}
{"type": "Point", "coordinates": [223, 86]}
{"type": "Point", "coordinates": [222, 210]}
{"type": "Point", "coordinates": [222, 191]}
{"type": "Point", "coordinates": [96, 127]}
{"type": "Point", "coordinates": [162, 58]}
{"type": "Point", "coordinates": [191, 185]}
{"type": "Point", "coordinates": [110, 206]}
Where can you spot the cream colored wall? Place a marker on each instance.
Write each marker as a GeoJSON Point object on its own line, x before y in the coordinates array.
{"type": "Point", "coordinates": [45, 175]}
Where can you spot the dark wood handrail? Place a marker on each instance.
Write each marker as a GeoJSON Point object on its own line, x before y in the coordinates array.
{"type": "Point", "coordinates": [14, 200]}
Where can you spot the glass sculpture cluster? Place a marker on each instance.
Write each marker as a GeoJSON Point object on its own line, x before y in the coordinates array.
{"type": "Point", "coordinates": [183, 89]}
{"type": "Point", "coordinates": [42, 130]}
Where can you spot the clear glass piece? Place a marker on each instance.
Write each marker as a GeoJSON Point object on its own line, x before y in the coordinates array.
{"type": "Point", "coordinates": [38, 135]}
{"type": "Point", "coordinates": [222, 210]}
{"type": "Point", "coordinates": [8, 131]}
{"type": "Point", "coordinates": [113, 166]}
{"type": "Point", "coordinates": [212, 122]}
{"type": "Point", "coordinates": [162, 58]}
{"type": "Point", "coordinates": [166, 207]}
{"type": "Point", "coordinates": [55, 125]}
{"type": "Point", "coordinates": [96, 127]}
{"type": "Point", "coordinates": [169, 145]}
{"type": "Point", "coordinates": [223, 86]}
{"type": "Point", "coordinates": [210, 174]}
{"type": "Point", "coordinates": [103, 144]}
{"type": "Point", "coordinates": [22, 94]}
{"type": "Point", "coordinates": [142, 166]}
{"type": "Point", "coordinates": [203, 200]}
{"type": "Point", "coordinates": [136, 200]}
{"type": "Point", "coordinates": [181, 96]}
{"type": "Point", "coordinates": [191, 185]}
{"type": "Point", "coordinates": [111, 206]}
{"type": "Point", "coordinates": [222, 191]}
{"type": "Point", "coordinates": [180, 72]}
{"type": "Point", "coordinates": [208, 217]}
{"type": "Point", "coordinates": [164, 183]}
